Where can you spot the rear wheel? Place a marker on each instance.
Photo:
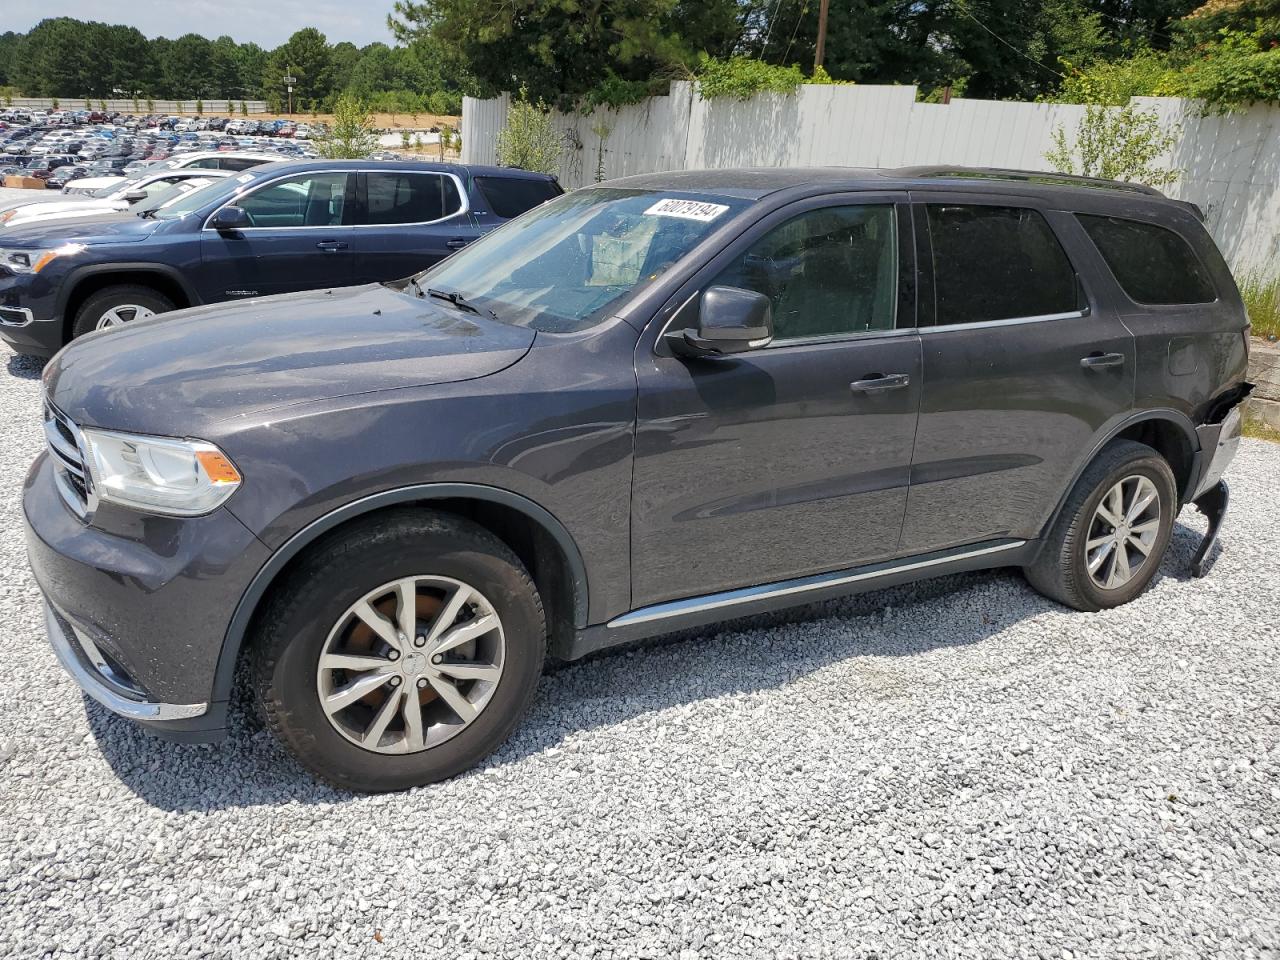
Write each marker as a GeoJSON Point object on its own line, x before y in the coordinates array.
{"type": "Point", "coordinates": [400, 652]}
{"type": "Point", "coordinates": [1113, 531]}
{"type": "Point", "coordinates": [118, 305]}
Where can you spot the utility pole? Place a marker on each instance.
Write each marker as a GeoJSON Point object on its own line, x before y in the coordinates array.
{"type": "Point", "coordinates": [820, 49]}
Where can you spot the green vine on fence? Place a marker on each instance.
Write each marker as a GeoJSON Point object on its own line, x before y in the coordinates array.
{"type": "Point", "coordinates": [744, 77]}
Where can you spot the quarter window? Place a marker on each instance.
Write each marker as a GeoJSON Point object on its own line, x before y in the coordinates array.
{"type": "Point", "coordinates": [1152, 265]}
{"type": "Point", "coordinates": [511, 196]}
{"type": "Point", "coordinates": [827, 272]}
{"type": "Point", "coordinates": [998, 263]}
{"type": "Point", "coordinates": [410, 198]}
{"type": "Point", "coordinates": [310, 200]}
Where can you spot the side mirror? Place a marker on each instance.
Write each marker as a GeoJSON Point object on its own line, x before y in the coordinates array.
{"type": "Point", "coordinates": [230, 218]}
{"type": "Point", "coordinates": [133, 196]}
{"type": "Point", "coordinates": [730, 320]}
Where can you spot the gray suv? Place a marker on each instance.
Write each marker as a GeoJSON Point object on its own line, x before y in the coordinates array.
{"type": "Point", "coordinates": [648, 405]}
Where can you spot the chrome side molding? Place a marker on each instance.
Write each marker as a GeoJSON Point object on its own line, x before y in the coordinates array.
{"type": "Point", "coordinates": [798, 587]}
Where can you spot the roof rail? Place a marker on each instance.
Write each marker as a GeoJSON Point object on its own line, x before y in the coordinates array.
{"type": "Point", "coordinates": [1024, 176]}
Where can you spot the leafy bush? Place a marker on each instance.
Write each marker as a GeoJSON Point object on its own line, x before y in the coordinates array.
{"type": "Point", "coordinates": [744, 77]}
{"type": "Point", "coordinates": [1236, 72]}
{"type": "Point", "coordinates": [1115, 143]}
{"type": "Point", "coordinates": [350, 136]}
{"type": "Point", "coordinates": [529, 140]}
{"type": "Point", "coordinates": [1114, 82]}
{"type": "Point", "coordinates": [1262, 299]}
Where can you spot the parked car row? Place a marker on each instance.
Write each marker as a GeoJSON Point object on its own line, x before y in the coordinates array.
{"type": "Point", "coordinates": [645, 406]}
{"type": "Point", "coordinates": [239, 125]}
{"type": "Point", "coordinates": [106, 150]}
{"type": "Point", "coordinates": [245, 233]}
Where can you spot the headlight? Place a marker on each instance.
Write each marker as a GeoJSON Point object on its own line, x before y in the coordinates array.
{"type": "Point", "coordinates": [184, 478]}
{"type": "Point", "coordinates": [33, 261]}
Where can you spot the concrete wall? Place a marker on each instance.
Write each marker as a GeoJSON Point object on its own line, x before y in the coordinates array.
{"type": "Point", "coordinates": [1230, 165]}
{"type": "Point", "coordinates": [215, 107]}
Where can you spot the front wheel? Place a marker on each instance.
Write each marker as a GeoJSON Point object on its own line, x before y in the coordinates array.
{"type": "Point", "coordinates": [400, 652]}
{"type": "Point", "coordinates": [118, 305]}
{"type": "Point", "coordinates": [1112, 533]}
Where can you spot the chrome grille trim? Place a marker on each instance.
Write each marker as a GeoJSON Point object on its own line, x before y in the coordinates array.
{"type": "Point", "coordinates": [69, 469]}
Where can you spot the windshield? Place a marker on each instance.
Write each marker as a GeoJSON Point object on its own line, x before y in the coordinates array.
{"type": "Point", "coordinates": [564, 265]}
{"type": "Point", "coordinates": [195, 199]}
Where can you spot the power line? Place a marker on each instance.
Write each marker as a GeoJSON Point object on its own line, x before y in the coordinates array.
{"type": "Point", "coordinates": [964, 8]}
{"type": "Point", "coordinates": [804, 8]}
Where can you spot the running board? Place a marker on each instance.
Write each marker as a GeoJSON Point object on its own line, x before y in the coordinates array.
{"type": "Point", "coordinates": [695, 611]}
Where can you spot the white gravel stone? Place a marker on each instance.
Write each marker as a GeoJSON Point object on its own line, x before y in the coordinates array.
{"type": "Point", "coordinates": [955, 769]}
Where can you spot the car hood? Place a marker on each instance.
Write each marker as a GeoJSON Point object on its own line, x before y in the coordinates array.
{"type": "Point", "coordinates": [182, 372]}
{"type": "Point", "coordinates": [86, 227]}
{"type": "Point", "coordinates": [59, 208]}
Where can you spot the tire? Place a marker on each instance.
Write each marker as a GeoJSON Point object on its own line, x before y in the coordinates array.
{"type": "Point", "coordinates": [304, 620]}
{"type": "Point", "coordinates": [1061, 570]}
{"type": "Point", "coordinates": [96, 309]}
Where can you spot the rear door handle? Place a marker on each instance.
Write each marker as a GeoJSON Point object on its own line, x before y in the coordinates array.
{"type": "Point", "coordinates": [1098, 360]}
{"type": "Point", "coordinates": [880, 382]}
{"type": "Point", "coordinates": [331, 246]}
{"type": "Point", "coordinates": [457, 243]}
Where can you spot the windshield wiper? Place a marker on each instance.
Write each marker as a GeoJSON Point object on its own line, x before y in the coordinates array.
{"type": "Point", "coordinates": [457, 299]}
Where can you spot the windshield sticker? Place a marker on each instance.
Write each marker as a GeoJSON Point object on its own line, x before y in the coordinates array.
{"type": "Point", "coordinates": [244, 178]}
{"type": "Point", "coordinates": [686, 209]}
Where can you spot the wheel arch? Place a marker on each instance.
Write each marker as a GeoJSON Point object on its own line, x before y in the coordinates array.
{"type": "Point", "coordinates": [85, 282]}
{"type": "Point", "coordinates": [1169, 432]}
{"type": "Point", "coordinates": [536, 536]}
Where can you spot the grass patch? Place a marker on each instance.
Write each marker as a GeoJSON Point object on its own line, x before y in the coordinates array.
{"type": "Point", "coordinates": [1262, 299]}
{"type": "Point", "coordinates": [1260, 431]}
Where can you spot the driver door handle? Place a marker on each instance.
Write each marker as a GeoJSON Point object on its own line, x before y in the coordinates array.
{"type": "Point", "coordinates": [880, 382]}
{"type": "Point", "coordinates": [331, 246]}
{"type": "Point", "coordinates": [1096, 360]}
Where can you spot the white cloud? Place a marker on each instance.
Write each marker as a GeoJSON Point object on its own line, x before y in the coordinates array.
{"type": "Point", "coordinates": [265, 22]}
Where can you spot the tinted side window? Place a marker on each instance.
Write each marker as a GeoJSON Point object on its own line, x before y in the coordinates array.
{"type": "Point", "coordinates": [410, 198]}
{"type": "Point", "coordinates": [309, 200]}
{"type": "Point", "coordinates": [511, 196]}
{"type": "Point", "coordinates": [998, 263]}
{"type": "Point", "coordinates": [827, 272]}
{"type": "Point", "coordinates": [1152, 264]}
{"type": "Point", "coordinates": [208, 163]}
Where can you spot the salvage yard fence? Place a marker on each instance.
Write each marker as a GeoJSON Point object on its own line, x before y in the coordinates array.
{"type": "Point", "coordinates": [1229, 164]}
{"type": "Point", "coordinates": [218, 106]}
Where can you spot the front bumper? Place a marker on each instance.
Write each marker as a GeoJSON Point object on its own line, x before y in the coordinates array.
{"type": "Point", "coordinates": [28, 319]}
{"type": "Point", "coordinates": [139, 605]}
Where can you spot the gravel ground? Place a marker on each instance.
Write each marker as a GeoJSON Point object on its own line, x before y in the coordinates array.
{"type": "Point", "coordinates": [959, 769]}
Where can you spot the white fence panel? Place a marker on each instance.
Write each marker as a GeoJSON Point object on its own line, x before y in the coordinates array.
{"type": "Point", "coordinates": [1230, 165]}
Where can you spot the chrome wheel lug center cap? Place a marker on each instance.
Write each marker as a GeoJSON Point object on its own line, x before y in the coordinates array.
{"type": "Point", "coordinates": [413, 664]}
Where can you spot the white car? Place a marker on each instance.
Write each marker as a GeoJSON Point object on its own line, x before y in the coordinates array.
{"type": "Point", "coordinates": [147, 191]}
{"type": "Point", "coordinates": [229, 160]}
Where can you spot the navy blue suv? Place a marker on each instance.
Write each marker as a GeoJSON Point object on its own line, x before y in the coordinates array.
{"type": "Point", "coordinates": [277, 228]}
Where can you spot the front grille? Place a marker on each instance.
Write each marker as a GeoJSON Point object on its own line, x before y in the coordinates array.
{"type": "Point", "coordinates": [74, 482]}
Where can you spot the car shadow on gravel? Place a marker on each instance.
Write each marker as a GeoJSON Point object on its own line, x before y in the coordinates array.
{"type": "Point", "coordinates": [25, 368]}
{"type": "Point", "coordinates": [249, 769]}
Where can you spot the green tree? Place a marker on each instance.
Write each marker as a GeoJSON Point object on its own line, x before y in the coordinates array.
{"type": "Point", "coordinates": [529, 140]}
{"type": "Point", "coordinates": [350, 136]}
{"type": "Point", "coordinates": [1115, 143]}
{"type": "Point", "coordinates": [305, 57]}
{"type": "Point", "coordinates": [562, 51]}
{"type": "Point", "coordinates": [185, 67]}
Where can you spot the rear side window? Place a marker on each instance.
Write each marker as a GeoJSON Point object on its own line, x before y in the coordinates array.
{"type": "Point", "coordinates": [395, 198]}
{"type": "Point", "coordinates": [998, 263]}
{"type": "Point", "coordinates": [511, 196]}
{"type": "Point", "coordinates": [1152, 264]}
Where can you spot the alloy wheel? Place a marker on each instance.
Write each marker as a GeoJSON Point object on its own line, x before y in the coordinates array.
{"type": "Point", "coordinates": [125, 313]}
{"type": "Point", "coordinates": [411, 664]}
{"type": "Point", "coordinates": [1123, 532]}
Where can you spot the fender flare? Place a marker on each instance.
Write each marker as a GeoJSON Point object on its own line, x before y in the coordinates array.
{"type": "Point", "coordinates": [237, 629]}
{"type": "Point", "coordinates": [80, 274]}
{"type": "Point", "coordinates": [1181, 420]}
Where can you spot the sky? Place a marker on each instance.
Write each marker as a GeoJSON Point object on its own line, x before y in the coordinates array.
{"type": "Point", "coordinates": [267, 23]}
